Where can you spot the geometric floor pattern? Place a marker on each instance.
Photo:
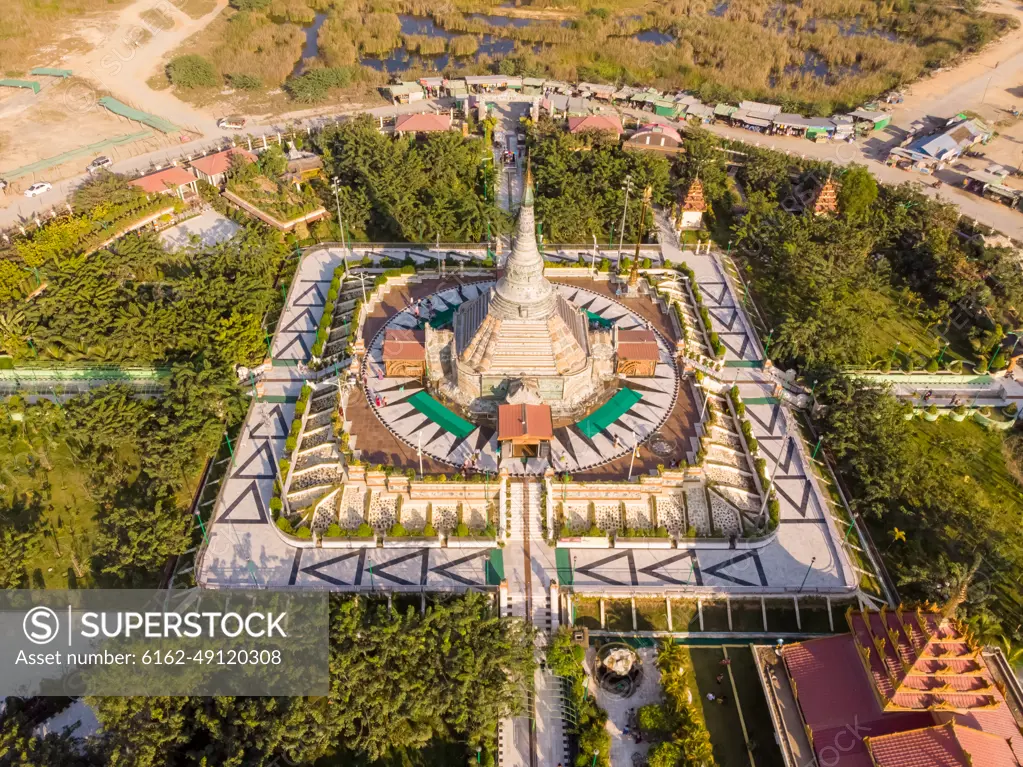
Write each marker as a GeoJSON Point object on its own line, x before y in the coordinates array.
{"type": "Point", "coordinates": [571, 449]}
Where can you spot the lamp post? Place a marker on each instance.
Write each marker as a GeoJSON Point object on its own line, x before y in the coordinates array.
{"type": "Point", "coordinates": [478, 749]}
{"type": "Point", "coordinates": [593, 256]}
{"type": "Point", "coordinates": [767, 343]}
{"type": "Point", "coordinates": [770, 482]}
{"type": "Point", "coordinates": [625, 210]}
{"type": "Point", "coordinates": [891, 360]}
{"type": "Point", "coordinates": [807, 575]}
{"type": "Point", "coordinates": [632, 461]}
{"type": "Point", "coordinates": [818, 447]}
{"type": "Point", "coordinates": [336, 185]}
{"type": "Point", "coordinates": [595, 755]}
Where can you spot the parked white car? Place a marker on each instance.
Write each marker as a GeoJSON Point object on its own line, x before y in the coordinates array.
{"type": "Point", "coordinates": [37, 189]}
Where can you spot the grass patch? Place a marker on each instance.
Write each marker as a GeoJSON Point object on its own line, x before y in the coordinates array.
{"type": "Point", "coordinates": [196, 9]}
{"type": "Point", "coordinates": [619, 614]}
{"type": "Point", "coordinates": [722, 720]}
{"type": "Point", "coordinates": [715, 616]}
{"type": "Point", "coordinates": [755, 712]}
{"type": "Point", "coordinates": [781, 616]}
{"type": "Point", "coordinates": [651, 615]}
{"type": "Point", "coordinates": [587, 612]}
{"type": "Point", "coordinates": [684, 615]}
{"type": "Point", "coordinates": [747, 616]}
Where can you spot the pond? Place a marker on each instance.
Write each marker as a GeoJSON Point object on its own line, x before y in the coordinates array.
{"type": "Point", "coordinates": [654, 36]}
{"type": "Point", "coordinates": [719, 9]}
{"type": "Point", "coordinates": [507, 21]}
{"type": "Point", "coordinates": [311, 45]}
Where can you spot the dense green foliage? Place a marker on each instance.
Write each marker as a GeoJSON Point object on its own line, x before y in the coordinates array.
{"type": "Point", "coordinates": [580, 182]}
{"type": "Point", "coordinates": [891, 267]}
{"type": "Point", "coordinates": [565, 659]}
{"type": "Point", "coordinates": [192, 71]}
{"type": "Point", "coordinates": [400, 683]}
{"type": "Point", "coordinates": [314, 85]}
{"type": "Point", "coordinates": [407, 189]}
{"type": "Point", "coordinates": [134, 303]}
{"type": "Point", "coordinates": [944, 484]}
{"type": "Point", "coordinates": [103, 480]}
{"type": "Point", "coordinates": [675, 723]}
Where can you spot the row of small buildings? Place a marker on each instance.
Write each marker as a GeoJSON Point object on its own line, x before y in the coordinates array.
{"type": "Point", "coordinates": [574, 99]}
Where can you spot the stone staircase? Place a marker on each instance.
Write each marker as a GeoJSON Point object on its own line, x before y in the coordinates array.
{"type": "Point", "coordinates": [524, 345]}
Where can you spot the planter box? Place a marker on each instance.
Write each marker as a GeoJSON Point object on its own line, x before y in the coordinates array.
{"type": "Point", "coordinates": [376, 479]}
{"type": "Point", "coordinates": [349, 543]}
{"type": "Point", "coordinates": [992, 423]}
{"type": "Point", "coordinates": [932, 417]}
{"type": "Point", "coordinates": [958, 416]}
{"type": "Point", "coordinates": [470, 542]}
{"type": "Point", "coordinates": [642, 543]}
{"type": "Point", "coordinates": [412, 542]}
{"type": "Point", "coordinates": [585, 542]}
{"type": "Point", "coordinates": [356, 473]}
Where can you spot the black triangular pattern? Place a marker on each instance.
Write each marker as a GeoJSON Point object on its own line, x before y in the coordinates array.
{"type": "Point", "coordinates": [589, 569]}
{"type": "Point", "coordinates": [775, 412]}
{"type": "Point", "coordinates": [635, 414]}
{"type": "Point", "coordinates": [486, 432]}
{"type": "Point", "coordinates": [651, 570]}
{"type": "Point", "coordinates": [715, 570]}
{"type": "Point", "coordinates": [561, 433]}
{"type": "Point", "coordinates": [411, 413]}
{"type": "Point", "coordinates": [635, 385]}
{"type": "Point", "coordinates": [783, 466]}
{"type": "Point", "coordinates": [264, 448]}
{"type": "Point", "coordinates": [313, 288]}
{"type": "Point", "coordinates": [410, 388]}
{"type": "Point", "coordinates": [589, 442]}
{"type": "Point", "coordinates": [705, 287]}
{"type": "Point", "coordinates": [804, 502]}
{"type": "Point", "coordinates": [741, 351]}
{"type": "Point", "coordinates": [443, 570]}
{"type": "Point", "coordinates": [378, 568]}
{"type": "Point", "coordinates": [441, 431]}
{"type": "Point", "coordinates": [715, 313]}
{"type": "Point", "coordinates": [304, 314]}
{"type": "Point", "coordinates": [588, 304]}
{"type": "Point", "coordinates": [296, 562]}
{"type": "Point", "coordinates": [275, 412]}
{"type": "Point", "coordinates": [301, 342]}
{"type": "Point", "coordinates": [253, 490]}
{"type": "Point", "coordinates": [314, 570]}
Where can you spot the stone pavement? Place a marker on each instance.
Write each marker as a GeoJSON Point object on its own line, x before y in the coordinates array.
{"type": "Point", "coordinates": [296, 329]}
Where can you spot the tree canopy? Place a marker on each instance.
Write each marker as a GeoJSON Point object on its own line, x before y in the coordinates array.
{"type": "Point", "coordinates": [409, 189]}
{"type": "Point", "coordinates": [400, 683]}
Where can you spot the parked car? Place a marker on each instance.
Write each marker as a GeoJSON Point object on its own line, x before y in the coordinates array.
{"type": "Point", "coordinates": [37, 189]}
{"type": "Point", "coordinates": [99, 163]}
{"type": "Point", "coordinates": [234, 122]}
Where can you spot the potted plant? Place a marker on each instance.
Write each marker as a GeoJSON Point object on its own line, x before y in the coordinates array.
{"type": "Point", "coordinates": [1011, 410]}
{"type": "Point", "coordinates": [931, 414]}
{"type": "Point", "coordinates": [959, 413]}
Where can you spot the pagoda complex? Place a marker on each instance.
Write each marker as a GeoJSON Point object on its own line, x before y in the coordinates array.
{"type": "Point", "coordinates": [522, 341]}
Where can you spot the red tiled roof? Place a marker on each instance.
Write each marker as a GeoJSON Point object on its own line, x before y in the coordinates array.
{"type": "Point", "coordinates": [944, 745]}
{"type": "Point", "coordinates": [595, 122]}
{"type": "Point", "coordinates": [215, 164]}
{"type": "Point", "coordinates": [169, 179]}
{"type": "Point", "coordinates": [638, 345]}
{"type": "Point", "coordinates": [532, 421]}
{"type": "Point", "coordinates": [400, 344]}
{"type": "Point", "coordinates": [927, 747]}
{"type": "Point", "coordinates": [422, 123]}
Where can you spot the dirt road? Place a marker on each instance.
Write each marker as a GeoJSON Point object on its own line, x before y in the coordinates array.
{"type": "Point", "coordinates": [127, 51]}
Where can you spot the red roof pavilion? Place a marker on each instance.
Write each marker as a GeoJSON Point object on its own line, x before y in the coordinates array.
{"type": "Point", "coordinates": [524, 421]}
